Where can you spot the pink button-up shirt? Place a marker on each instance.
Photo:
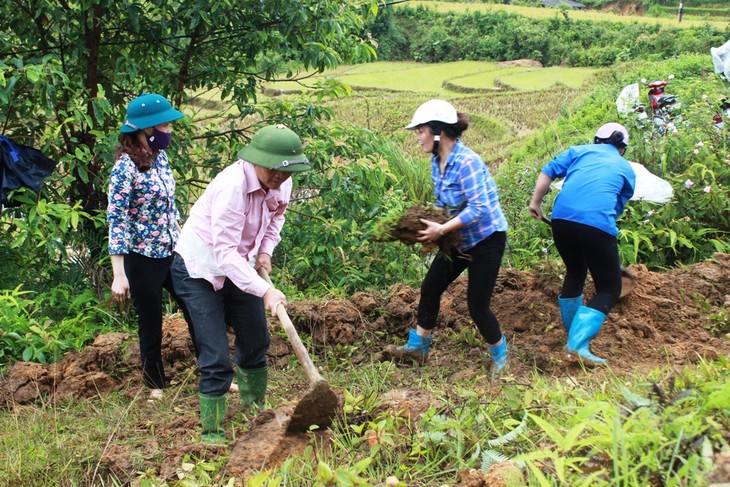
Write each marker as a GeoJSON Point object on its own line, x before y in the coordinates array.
{"type": "Point", "coordinates": [231, 223]}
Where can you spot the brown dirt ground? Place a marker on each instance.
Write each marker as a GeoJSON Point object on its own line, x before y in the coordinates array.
{"type": "Point", "coordinates": [663, 322]}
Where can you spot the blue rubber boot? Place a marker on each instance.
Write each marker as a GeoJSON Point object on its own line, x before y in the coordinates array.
{"type": "Point", "coordinates": [583, 329]}
{"type": "Point", "coordinates": [416, 347]}
{"type": "Point", "coordinates": [568, 307]}
{"type": "Point", "coordinates": [499, 355]}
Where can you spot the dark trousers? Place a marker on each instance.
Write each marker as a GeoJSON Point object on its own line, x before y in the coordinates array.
{"type": "Point", "coordinates": [210, 312]}
{"type": "Point", "coordinates": [483, 262]}
{"type": "Point", "coordinates": [147, 278]}
{"type": "Point", "coordinates": [587, 249]}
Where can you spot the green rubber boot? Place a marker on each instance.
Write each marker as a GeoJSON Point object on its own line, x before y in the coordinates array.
{"type": "Point", "coordinates": [212, 412]}
{"type": "Point", "coordinates": [252, 385]}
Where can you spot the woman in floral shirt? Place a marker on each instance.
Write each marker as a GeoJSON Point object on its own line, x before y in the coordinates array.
{"type": "Point", "coordinates": [143, 225]}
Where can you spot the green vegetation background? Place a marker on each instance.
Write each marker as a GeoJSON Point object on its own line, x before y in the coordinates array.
{"type": "Point", "coordinates": [55, 275]}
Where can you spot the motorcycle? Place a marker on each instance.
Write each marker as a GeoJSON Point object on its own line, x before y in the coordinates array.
{"type": "Point", "coordinates": [663, 107]}
{"type": "Point", "coordinates": [724, 113]}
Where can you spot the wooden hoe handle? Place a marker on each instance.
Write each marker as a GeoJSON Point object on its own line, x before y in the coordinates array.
{"type": "Point", "coordinates": [299, 350]}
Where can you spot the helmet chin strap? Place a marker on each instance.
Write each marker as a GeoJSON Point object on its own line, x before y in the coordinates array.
{"type": "Point", "coordinates": [436, 141]}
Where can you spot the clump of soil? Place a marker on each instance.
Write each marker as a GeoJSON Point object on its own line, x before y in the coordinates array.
{"type": "Point", "coordinates": [665, 320]}
{"type": "Point", "coordinates": [110, 363]}
{"type": "Point", "coordinates": [500, 474]}
{"type": "Point", "coordinates": [409, 224]}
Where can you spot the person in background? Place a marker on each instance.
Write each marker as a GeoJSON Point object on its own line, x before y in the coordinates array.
{"type": "Point", "coordinates": [598, 183]}
{"type": "Point", "coordinates": [465, 189]}
{"type": "Point", "coordinates": [231, 233]}
{"type": "Point", "coordinates": [143, 225]}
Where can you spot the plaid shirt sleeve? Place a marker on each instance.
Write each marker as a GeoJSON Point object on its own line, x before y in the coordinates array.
{"type": "Point", "coordinates": [473, 179]}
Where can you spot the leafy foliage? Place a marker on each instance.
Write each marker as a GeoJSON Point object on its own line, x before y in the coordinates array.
{"type": "Point", "coordinates": [27, 334]}
{"type": "Point", "coordinates": [352, 185]}
{"type": "Point", "coordinates": [694, 159]}
{"type": "Point", "coordinates": [66, 75]}
{"type": "Point", "coordinates": [428, 36]}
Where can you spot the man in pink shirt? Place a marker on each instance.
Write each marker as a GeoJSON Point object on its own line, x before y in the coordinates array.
{"type": "Point", "coordinates": [231, 232]}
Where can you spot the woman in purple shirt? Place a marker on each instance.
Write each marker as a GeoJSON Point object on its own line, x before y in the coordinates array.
{"type": "Point", "coordinates": [143, 225]}
{"type": "Point", "coordinates": [466, 191]}
{"type": "Point", "coordinates": [231, 232]}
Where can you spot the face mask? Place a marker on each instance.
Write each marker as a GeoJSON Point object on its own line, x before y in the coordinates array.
{"type": "Point", "coordinates": [158, 140]}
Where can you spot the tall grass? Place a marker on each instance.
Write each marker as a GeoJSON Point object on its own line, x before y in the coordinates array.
{"type": "Point", "coordinates": [588, 429]}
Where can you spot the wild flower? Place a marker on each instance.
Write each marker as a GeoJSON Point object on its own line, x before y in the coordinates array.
{"type": "Point", "coordinates": [705, 97]}
{"type": "Point", "coordinates": [645, 221]}
{"type": "Point", "coordinates": [707, 189]}
{"type": "Point", "coordinates": [696, 151]}
{"type": "Point", "coordinates": [688, 184]}
{"type": "Point", "coordinates": [643, 80]}
{"type": "Point", "coordinates": [544, 250]}
{"type": "Point", "coordinates": [650, 213]}
{"type": "Point", "coordinates": [671, 76]}
{"type": "Point", "coordinates": [700, 144]}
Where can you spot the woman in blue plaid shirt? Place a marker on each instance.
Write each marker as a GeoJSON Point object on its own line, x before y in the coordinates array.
{"type": "Point", "coordinates": [466, 191]}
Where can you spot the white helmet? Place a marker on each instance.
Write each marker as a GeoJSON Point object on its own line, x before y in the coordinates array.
{"type": "Point", "coordinates": [605, 132]}
{"type": "Point", "coordinates": [433, 111]}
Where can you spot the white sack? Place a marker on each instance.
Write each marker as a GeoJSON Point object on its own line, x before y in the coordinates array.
{"type": "Point", "coordinates": [628, 99]}
{"type": "Point", "coordinates": [721, 59]}
{"type": "Point", "coordinates": [648, 186]}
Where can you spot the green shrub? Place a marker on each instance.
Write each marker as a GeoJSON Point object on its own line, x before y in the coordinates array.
{"type": "Point", "coordinates": [28, 333]}
{"type": "Point", "coordinates": [695, 159]}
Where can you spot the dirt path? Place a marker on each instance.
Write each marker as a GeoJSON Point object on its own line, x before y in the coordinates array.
{"type": "Point", "coordinates": [665, 321]}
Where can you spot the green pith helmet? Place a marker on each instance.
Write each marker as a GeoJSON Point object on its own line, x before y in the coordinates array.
{"type": "Point", "coordinates": [276, 147]}
{"type": "Point", "coordinates": [147, 111]}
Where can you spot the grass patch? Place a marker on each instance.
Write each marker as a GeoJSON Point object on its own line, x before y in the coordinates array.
{"type": "Point", "coordinates": [540, 79]}
{"type": "Point", "coordinates": [433, 79]}
{"type": "Point", "coordinates": [664, 424]}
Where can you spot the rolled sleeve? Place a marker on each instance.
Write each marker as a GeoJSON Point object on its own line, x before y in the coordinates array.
{"type": "Point", "coordinates": [227, 219]}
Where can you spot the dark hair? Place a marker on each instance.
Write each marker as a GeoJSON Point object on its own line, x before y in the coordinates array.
{"type": "Point", "coordinates": [452, 130]}
{"type": "Point", "coordinates": [616, 139]}
{"type": "Point", "coordinates": [129, 144]}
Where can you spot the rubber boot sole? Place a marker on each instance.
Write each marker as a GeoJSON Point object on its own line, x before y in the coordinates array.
{"type": "Point", "coordinates": [574, 356]}
{"type": "Point", "coordinates": [398, 354]}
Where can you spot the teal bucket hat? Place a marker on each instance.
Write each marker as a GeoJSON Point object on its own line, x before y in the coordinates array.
{"type": "Point", "coordinates": [147, 111]}
{"type": "Point", "coordinates": [276, 147]}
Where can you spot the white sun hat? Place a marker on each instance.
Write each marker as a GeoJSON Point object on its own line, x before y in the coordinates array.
{"type": "Point", "coordinates": [605, 132]}
{"type": "Point", "coordinates": [433, 111]}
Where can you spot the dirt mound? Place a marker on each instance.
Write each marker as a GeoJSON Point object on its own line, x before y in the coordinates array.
{"type": "Point", "coordinates": [527, 63]}
{"type": "Point", "coordinates": [667, 319]}
{"type": "Point", "coordinates": [110, 363]}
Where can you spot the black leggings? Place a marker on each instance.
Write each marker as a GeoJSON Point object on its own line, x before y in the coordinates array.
{"type": "Point", "coordinates": [483, 263]}
{"type": "Point", "coordinates": [147, 277]}
{"type": "Point", "coordinates": [584, 248]}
